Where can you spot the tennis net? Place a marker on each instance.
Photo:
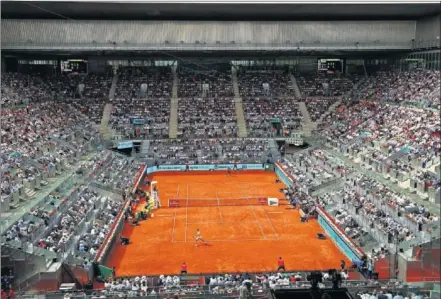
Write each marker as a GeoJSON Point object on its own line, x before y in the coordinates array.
{"type": "Point", "coordinates": [214, 202]}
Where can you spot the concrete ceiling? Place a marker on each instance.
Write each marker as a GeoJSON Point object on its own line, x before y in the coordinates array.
{"type": "Point", "coordinates": [196, 11]}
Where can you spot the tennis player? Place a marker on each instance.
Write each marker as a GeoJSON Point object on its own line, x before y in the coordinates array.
{"type": "Point", "coordinates": [228, 171]}
{"type": "Point", "coordinates": [198, 237]}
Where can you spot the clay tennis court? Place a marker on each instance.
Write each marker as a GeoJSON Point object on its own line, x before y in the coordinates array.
{"type": "Point", "coordinates": [242, 235]}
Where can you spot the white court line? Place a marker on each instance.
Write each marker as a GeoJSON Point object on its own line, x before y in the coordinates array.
{"type": "Point", "coordinates": [217, 222]}
{"type": "Point", "coordinates": [173, 230]}
{"type": "Point", "coordinates": [186, 216]}
{"type": "Point", "coordinates": [258, 224]}
{"type": "Point", "coordinates": [164, 215]}
{"type": "Point", "coordinates": [274, 229]}
{"type": "Point", "coordinates": [223, 183]}
{"type": "Point", "coordinates": [252, 210]}
{"type": "Point", "coordinates": [232, 240]}
{"type": "Point", "coordinates": [275, 212]}
{"type": "Point", "coordinates": [177, 192]}
{"type": "Point", "coordinates": [220, 212]}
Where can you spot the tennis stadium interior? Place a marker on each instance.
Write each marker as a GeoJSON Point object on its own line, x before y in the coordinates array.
{"type": "Point", "coordinates": [220, 150]}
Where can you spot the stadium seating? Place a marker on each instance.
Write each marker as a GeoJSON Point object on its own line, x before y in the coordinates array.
{"type": "Point", "coordinates": [191, 84]}
{"type": "Point", "coordinates": [259, 112]}
{"type": "Point", "coordinates": [416, 87]}
{"type": "Point", "coordinates": [206, 118]}
{"type": "Point", "coordinates": [393, 132]}
{"type": "Point", "coordinates": [208, 151]}
{"type": "Point", "coordinates": [38, 142]}
{"type": "Point", "coordinates": [317, 107]}
{"type": "Point", "coordinates": [18, 89]}
{"type": "Point", "coordinates": [314, 85]}
{"type": "Point", "coordinates": [251, 83]}
{"type": "Point", "coordinates": [151, 109]}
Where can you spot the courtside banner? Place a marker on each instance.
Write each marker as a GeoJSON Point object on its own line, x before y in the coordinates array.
{"type": "Point", "coordinates": [151, 169]}
{"type": "Point", "coordinates": [125, 144]}
{"type": "Point", "coordinates": [283, 175]}
{"type": "Point", "coordinates": [339, 237]}
{"type": "Point", "coordinates": [205, 167]}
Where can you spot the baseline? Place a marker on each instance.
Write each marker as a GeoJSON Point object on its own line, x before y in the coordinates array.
{"type": "Point", "coordinates": [229, 240]}
{"type": "Point", "coordinates": [225, 222]}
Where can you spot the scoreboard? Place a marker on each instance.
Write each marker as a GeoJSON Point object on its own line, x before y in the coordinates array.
{"type": "Point", "coordinates": [74, 66]}
{"type": "Point", "coordinates": [330, 65]}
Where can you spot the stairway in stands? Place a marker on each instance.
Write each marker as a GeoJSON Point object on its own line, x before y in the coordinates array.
{"type": "Point", "coordinates": [145, 146]}
{"type": "Point", "coordinates": [294, 84]}
{"type": "Point", "coordinates": [104, 125]}
{"type": "Point", "coordinates": [307, 124]}
{"type": "Point", "coordinates": [113, 87]}
{"type": "Point", "coordinates": [235, 82]}
{"type": "Point", "coordinates": [274, 150]}
{"type": "Point", "coordinates": [173, 124]}
{"type": "Point", "coordinates": [330, 110]}
{"type": "Point", "coordinates": [241, 124]}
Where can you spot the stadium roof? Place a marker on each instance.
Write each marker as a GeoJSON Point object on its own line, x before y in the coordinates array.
{"type": "Point", "coordinates": [143, 10]}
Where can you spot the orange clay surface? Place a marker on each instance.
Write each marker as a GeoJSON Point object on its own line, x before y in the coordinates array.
{"type": "Point", "coordinates": [240, 238]}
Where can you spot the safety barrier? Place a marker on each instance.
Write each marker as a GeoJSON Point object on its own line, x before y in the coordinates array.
{"type": "Point", "coordinates": [110, 237]}
{"type": "Point", "coordinates": [118, 224]}
{"type": "Point", "coordinates": [339, 237]}
{"type": "Point", "coordinates": [139, 176]}
{"type": "Point", "coordinates": [204, 167]}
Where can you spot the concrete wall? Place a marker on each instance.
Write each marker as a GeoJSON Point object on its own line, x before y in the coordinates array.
{"type": "Point", "coordinates": [428, 29]}
{"type": "Point", "coordinates": [75, 33]}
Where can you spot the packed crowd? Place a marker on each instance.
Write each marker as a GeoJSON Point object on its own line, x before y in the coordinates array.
{"type": "Point", "coordinates": [71, 223]}
{"type": "Point", "coordinates": [261, 113]}
{"type": "Point", "coordinates": [411, 130]}
{"type": "Point", "coordinates": [416, 87]}
{"type": "Point", "coordinates": [90, 243]}
{"type": "Point", "coordinates": [317, 107]}
{"type": "Point", "coordinates": [36, 139]}
{"type": "Point", "coordinates": [208, 151]}
{"type": "Point", "coordinates": [249, 285]}
{"type": "Point", "coordinates": [35, 130]}
{"type": "Point", "coordinates": [141, 118]}
{"type": "Point", "coordinates": [371, 207]}
{"type": "Point", "coordinates": [119, 174]}
{"type": "Point", "coordinates": [94, 96]}
{"type": "Point", "coordinates": [29, 226]}
{"type": "Point", "coordinates": [207, 118]}
{"type": "Point", "coordinates": [387, 294]}
{"type": "Point", "coordinates": [158, 81]}
{"type": "Point", "coordinates": [321, 84]}
{"type": "Point", "coordinates": [313, 169]}
{"type": "Point", "coordinates": [205, 84]}
{"type": "Point", "coordinates": [256, 84]}
{"type": "Point", "coordinates": [138, 112]}
{"type": "Point", "coordinates": [21, 89]}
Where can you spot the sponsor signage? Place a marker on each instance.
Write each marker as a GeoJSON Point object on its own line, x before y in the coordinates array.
{"type": "Point", "coordinates": [125, 144]}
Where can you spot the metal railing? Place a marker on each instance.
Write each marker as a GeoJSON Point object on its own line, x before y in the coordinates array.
{"type": "Point", "coordinates": [232, 46]}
